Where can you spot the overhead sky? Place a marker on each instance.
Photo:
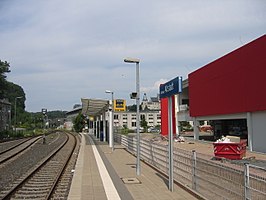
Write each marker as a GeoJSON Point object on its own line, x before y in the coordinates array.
{"type": "Point", "coordinates": [63, 50]}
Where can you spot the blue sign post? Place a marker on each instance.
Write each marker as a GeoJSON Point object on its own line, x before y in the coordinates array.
{"type": "Point", "coordinates": [168, 90]}
{"type": "Point", "coordinates": [171, 87]}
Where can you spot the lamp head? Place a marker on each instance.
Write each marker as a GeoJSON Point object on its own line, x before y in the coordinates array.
{"type": "Point", "coordinates": [108, 91]}
{"type": "Point", "coordinates": [131, 60]}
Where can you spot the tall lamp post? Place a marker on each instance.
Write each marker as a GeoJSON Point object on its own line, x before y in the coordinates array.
{"type": "Point", "coordinates": [111, 134]}
{"type": "Point", "coordinates": [135, 60]}
{"type": "Point", "coordinates": [15, 125]}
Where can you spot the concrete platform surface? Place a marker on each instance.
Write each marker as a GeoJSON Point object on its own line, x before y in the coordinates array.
{"type": "Point", "coordinates": [101, 174]}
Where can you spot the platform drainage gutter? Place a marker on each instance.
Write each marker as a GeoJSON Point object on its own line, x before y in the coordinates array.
{"type": "Point", "coordinates": [131, 180]}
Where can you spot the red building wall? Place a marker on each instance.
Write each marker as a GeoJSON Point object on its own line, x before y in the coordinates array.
{"type": "Point", "coordinates": [164, 116]}
{"type": "Point", "coordinates": [234, 83]}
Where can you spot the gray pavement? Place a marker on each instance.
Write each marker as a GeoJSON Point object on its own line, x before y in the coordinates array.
{"type": "Point", "coordinates": [88, 180]}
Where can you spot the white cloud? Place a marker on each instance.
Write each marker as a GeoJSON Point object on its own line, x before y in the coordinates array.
{"type": "Point", "coordinates": [154, 88]}
{"type": "Point", "coordinates": [63, 49]}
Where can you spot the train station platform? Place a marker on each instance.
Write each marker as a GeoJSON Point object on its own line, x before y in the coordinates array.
{"type": "Point", "coordinates": [101, 174]}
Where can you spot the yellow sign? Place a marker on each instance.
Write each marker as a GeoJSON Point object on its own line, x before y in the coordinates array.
{"type": "Point", "coordinates": [119, 105]}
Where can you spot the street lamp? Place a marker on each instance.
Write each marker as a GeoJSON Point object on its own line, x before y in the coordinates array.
{"type": "Point", "coordinates": [135, 60]}
{"type": "Point", "coordinates": [111, 123]}
{"type": "Point", "coordinates": [15, 125]}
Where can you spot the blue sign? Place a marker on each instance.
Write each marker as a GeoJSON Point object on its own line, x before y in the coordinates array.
{"type": "Point", "coordinates": [171, 87]}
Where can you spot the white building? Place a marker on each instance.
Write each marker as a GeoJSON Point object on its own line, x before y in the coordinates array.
{"type": "Point", "coordinates": [152, 104]}
{"type": "Point", "coordinates": [128, 118]}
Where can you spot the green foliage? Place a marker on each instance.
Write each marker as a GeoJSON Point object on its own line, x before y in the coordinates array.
{"type": "Point", "coordinates": [13, 90]}
{"type": "Point", "coordinates": [10, 91]}
{"type": "Point", "coordinates": [132, 108]}
{"type": "Point", "coordinates": [185, 126]}
{"type": "Point", "coordinates": [144, 124]}
{"type": "Point", "coordinates": [79, 123]}
{"type": "Point", "coordinates": [4, 68]}
{"type": "Point", "coordinates": [56, 114]}
{"type": "Point", "coordinates": [124, 130]}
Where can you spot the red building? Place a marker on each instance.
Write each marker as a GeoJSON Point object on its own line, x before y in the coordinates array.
{"type": "Point", "coordinates": [234, 83]}
{"type": "Point", "coordinates": [234, 94]}
{"type": "Point", "coordinates": [231, 93]}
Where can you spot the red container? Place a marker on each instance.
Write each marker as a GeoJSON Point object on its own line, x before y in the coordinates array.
{"type": "Point", "coordinates": [233, 151]}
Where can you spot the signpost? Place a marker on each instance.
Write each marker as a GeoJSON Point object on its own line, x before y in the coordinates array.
{"type": "Point", "coordinates": [168, 90]}
{"type": "Point", "coordinates": [44, 112]}
{"type": "Point", "coordinates": [119, 105]}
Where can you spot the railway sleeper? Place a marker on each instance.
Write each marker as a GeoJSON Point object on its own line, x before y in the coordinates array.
{"type": "Point", "coordinates": [29, 196]}
{"type": "Point", "coordinates": [34, 189]}
{"type": "Point", "coordinates": [32, 193]}
{"type": "Point", "coordinates": [44, 181]}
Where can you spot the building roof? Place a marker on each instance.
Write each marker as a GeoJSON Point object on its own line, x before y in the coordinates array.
{"type": "Point", "coordinates": [75, 110]}
{"type": "Point", "coordinates": [154, 99]}
{"type": "Point", "coordinates": [94, 107]}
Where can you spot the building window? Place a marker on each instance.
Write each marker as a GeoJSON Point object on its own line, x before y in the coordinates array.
{"type": "Point", "coordinates": [142, 117]}
{"type": "Point", "coordinates": [115, 116]}
{"type": "Point", "coordinates": [133, 124]}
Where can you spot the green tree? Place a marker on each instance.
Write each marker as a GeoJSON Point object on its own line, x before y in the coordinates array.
{"type": "Point", "coordinates": [13, 91]}
{"type": "Point", "coordinates": [144, 123]}
{"type": "Point", "coordinates": [4, 68]}
{"type": "Point", "coordinates": [133, 108]}
{"type": "Point", "coordinates": [79, 122]}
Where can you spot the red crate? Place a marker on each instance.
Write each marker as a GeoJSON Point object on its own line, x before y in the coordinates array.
{"type": "Point", "coordinates": [233, 151]}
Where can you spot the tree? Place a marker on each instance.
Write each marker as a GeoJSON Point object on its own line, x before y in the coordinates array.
{"type": "Point", "coordinates": [4, 68]}
{"type": "Point", "coordinates": [79, 122]}
{"type": "Point", "coordinates": [133, 108]}
{"type": "Point", "coordinates": [144, 123]}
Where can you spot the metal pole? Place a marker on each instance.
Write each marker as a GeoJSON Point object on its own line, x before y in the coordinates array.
{"type": "Point", "coordinates": [104, 127]}
{"type": "Point", "coordinates": [246, 178]}
{"type": "Point", "coordinates": [170, 144]}
{"type": "Point", "coordinates": [137, 122]}
{"type": "Point", "coordinates": [112, 124]}
{"type": "Point", "coordinates": [110, 127]}
{"type": "Point", "coordinates": [43, 122]}
{"type": "Point", "coordinates": [9, 116]}
{"type": "Point", "coordinates": [15, 115]}
{"type": "Point", "coordinates": [194, 163]}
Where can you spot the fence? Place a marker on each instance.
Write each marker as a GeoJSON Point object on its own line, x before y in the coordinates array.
{"type": "Point", "coordinates": [211, 179]}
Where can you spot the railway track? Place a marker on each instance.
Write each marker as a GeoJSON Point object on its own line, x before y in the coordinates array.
{"type": "Point", "coordinates": [51, 177]}
{"type": "Point", "coordinates": [16, 148]}
{"type": "Point", "coordinates": [7, 145]}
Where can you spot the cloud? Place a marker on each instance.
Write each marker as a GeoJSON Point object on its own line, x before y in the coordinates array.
{"type": "Point", "coordinates": [62, 50]}
{"type": "Point", "coordinates": [154, 88]}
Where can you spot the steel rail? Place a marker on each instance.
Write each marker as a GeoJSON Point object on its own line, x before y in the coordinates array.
{"type": "Point", "coordinates": [9, 194]}
{"type": "Point", "coordinates": [13, 146]}
{"type": "Point", "coordinates": [8, 157]}
{"type": "Point", "coordinates": [62, 170]}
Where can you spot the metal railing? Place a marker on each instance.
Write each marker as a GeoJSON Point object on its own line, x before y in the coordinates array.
{"type": "Point", "coordinates": [212, 179]}
{"type": "Point", "coordinates": [255, 182]}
